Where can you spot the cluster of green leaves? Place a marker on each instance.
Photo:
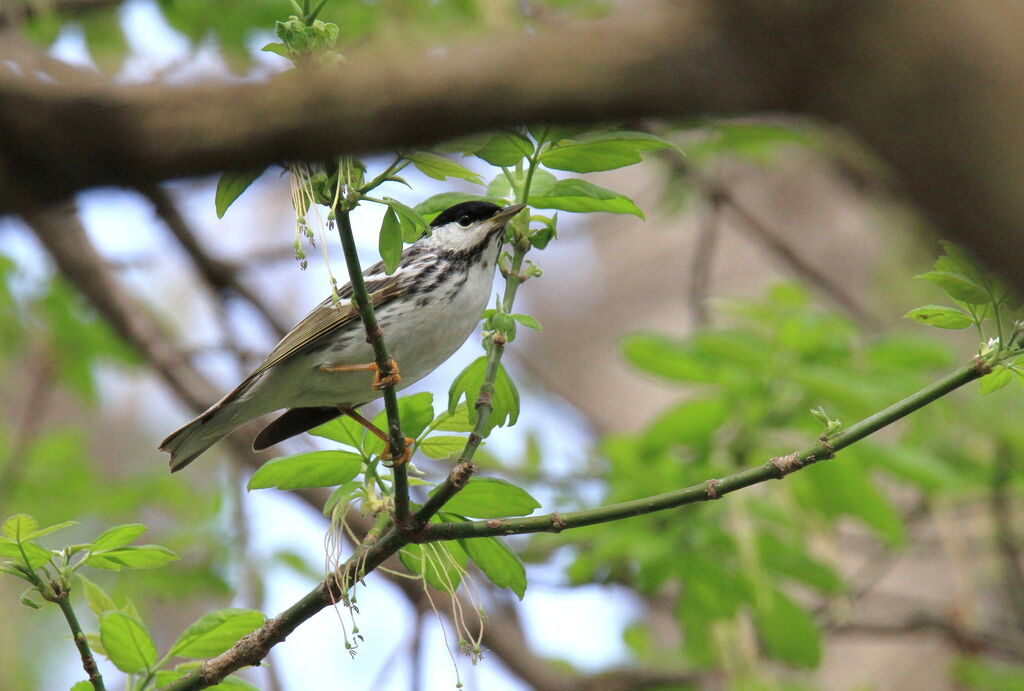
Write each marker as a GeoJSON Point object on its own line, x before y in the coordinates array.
{"type": "Point", "coordinates": [749, 388]}
{"type": "Point", "coordinates": [355, 472]}
{"type": "Point", "coordinates": [984, 302]}
{"type": "Point", "coordinates": [53, 575]}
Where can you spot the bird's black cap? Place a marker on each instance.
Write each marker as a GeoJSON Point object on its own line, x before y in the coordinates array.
{"type": "Point", "coordinates": [475, 210]}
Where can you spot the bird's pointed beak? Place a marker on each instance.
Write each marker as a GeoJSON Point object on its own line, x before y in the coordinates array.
{"type": "Point", "coordinates": [508, 212]}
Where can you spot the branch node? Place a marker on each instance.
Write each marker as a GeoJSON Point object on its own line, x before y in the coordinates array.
{"type": "Point", "coordinates": [981, 365]}
{"type": "Point", "coordinates": [461, 473]}
{"type": "Point", "coordinates": [711, 489]}
{"type": "Point", "coordinates": [784, 465]}
{"type": "Point", "coordinates": [829, 451]}
{"type": "Point", "coordinates": [495, 523]}
{"type": "Point", "coordinates": [558, 523]}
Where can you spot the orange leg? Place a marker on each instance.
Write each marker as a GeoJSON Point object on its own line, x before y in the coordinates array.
{"type": "Point", "coordinates": [372, 429]}
{"type": "Point", "coordinates": [379, 382]}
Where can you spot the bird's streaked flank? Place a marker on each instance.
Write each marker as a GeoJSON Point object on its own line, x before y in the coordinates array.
{"type": "Point", "coordinates": [324, 367]}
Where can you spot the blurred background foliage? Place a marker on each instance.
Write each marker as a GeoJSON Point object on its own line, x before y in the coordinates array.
{"type": "Point", "coordinates": [751, 592]}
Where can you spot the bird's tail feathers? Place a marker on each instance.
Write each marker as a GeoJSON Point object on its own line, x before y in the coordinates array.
{"type": "Point", "coordinates": [194, 438]}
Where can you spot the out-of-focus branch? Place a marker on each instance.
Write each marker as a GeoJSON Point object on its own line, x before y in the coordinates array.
{"type": "Point", "coordinates": [942, 109]}
{"type": "Point", "coordinates": [220, 275]}
{"type": "Point", "coordinates": [1007, 542]}
{"type": "Point", "coordinates": [962, 638]}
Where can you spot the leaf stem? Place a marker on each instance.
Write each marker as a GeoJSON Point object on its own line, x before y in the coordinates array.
{"type": "Point", "coordinates": [383, 360]}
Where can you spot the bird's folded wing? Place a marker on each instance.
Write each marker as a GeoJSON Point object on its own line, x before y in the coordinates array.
{"type": "Point", "coordinates": [325, 318]}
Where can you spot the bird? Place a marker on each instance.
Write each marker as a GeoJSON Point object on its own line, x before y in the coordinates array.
{"type": "Point", "coordinates": [324, 367]}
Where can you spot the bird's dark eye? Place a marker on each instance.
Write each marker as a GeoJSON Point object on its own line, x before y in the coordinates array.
{"type": "Point", "coordinates": [465, 221]}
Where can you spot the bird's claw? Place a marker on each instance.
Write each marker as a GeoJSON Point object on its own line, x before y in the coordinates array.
{"type": "Point", "coordinates": [405, 458]}
{"type": "Point", "coordinates": [392, 378]}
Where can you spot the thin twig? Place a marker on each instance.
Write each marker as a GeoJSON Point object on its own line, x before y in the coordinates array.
{"type": "Point", "coordinates": [81, 642]}
{"type": "Point", "coordinates": [375, 337]}
{"type": "Point", "coordinates": [715, 488]}
{"type": "Point", "coordinates": [703, 254]}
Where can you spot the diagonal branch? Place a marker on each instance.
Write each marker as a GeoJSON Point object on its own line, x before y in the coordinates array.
{"type": "Point", "coordinates": [775, 469]}
{"type": "Point", "coordinates": [220, 275]}
{"type": "Point", "coordinates": [251, 649]}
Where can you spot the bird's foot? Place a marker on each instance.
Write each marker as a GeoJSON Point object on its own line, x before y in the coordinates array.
{"type": "Point", "coordinates": [377, 432]}
{"type": "Point", "coordinates": [404, 458]}
{"type": "Point", "coordinates": [392, 378]}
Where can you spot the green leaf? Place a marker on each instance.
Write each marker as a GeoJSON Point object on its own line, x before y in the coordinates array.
{"type": "Point", "coordinates": [498, 562]}
{"type": "Point", "coordinates": [442, 446]}
{"type": "Point", "coordinates": [342, 429]}
{"type": "Point", "coordinates": [457, 421]}
{"type": "Point", "coordinates": [390, 241]}
{"type": "Point", "coordinates": [958, 287]}
{"type": "Point", "coordinates": [99, 602]}
{"type": "Point", "coordinates": [582, 197]}
{"type": "Point", "coordinates": [666, 357]}
{"type": "Point", "coordinates": [216, 632]}
{"type": "Point", "coordinates": [19, 527]}
{"type": "Point", "coordinates": [230, 187]}
{"type": "Point", "coordinates": [82, 686]}
{"type": "Point", "coordinates": [432, 206]}
{"type": "Point", "coordinates": [440, 563]}
{"type": "Point", "coordinates": [914, 464]}
{"type": "Point", "coordinates": [606, 151]}
{"type": "Point", "coordinates": [940, 317]}
{"type": "Point", "coordinates": [488, 497]}
{"type": "Point", "coordinates": [504, 402]}
{"type": "Point", "coordinates": [505, 149]}
{"type": "Point", "coordinates": [690, 422]}
{"type": "Point", "coordinates": [37, 556]}
{"type": "Point", "coordinates": [276, 49]}
{"type": "Point", "coordinates": [790, 558]}
{"type": "Point", "coordinates": [127, 643]}
{"type": "Point", "coordinates": [413, 224]}
{"type": "Point", "coordinates": [312, 469]}
{"type": "Point", "coordinates": [787, 631]}
{"type": "Point", "coordinates": [118, 536]}
{"type": "Point", "coordinates": [980, 675]}
{"type": "Point", "coordinates": [528, 321]}
{"type": "Point", "coordinates": [441, 168]}
{"type": "Point", "coordinates": [132, 557]}
{"type": "Point", "coordinates": [995, 380]}
{"type": "Point", "coordinates": [40, 532]}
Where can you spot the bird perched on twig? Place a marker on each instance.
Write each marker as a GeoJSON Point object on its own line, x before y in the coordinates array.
{"type": "Point", "coordinates": [324, 367]}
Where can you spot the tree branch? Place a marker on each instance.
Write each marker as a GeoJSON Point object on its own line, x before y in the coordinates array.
{"type": "Point", "coordinates": [375, 337]}
{"type": "Point", "coordinates": [220, 275]}
{"type": "Point", "coordinates": [255, 646]}
{"type": "Point", "coordinates": [941, 109]}
{"type": "Point", "coordinates": [63, 601]}
{"type": "Point", "coordinates": [775, 469]}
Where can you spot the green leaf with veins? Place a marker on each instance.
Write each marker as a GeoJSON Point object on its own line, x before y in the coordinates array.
{"type": "Point", "coordinates": [505, 149]}
{"type": "Point", "coordinates": [230, 187]}
{"type": "Point", "coordinates": [216, 632]}
{"type": "Point", "coordinates": [581, 196]}
{"type": "Point", "coordinates": [940, 317]}
{"type": "Point", "coordinates": [304, 470]}
{"type": "Point", "coordinates": [441, 168]}
{"type": "Point", "coordinates": [390, 241]}
{"type": "Point", "coordinates": [605, 151]}
{"type": "Point", "coordinates": [127, 643]}
{"type": "Point", "coordinates": [488, 497]}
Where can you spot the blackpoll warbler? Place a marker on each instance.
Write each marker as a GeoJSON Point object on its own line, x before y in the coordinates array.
{"type": "Point", "coordinates": [322, 369]}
